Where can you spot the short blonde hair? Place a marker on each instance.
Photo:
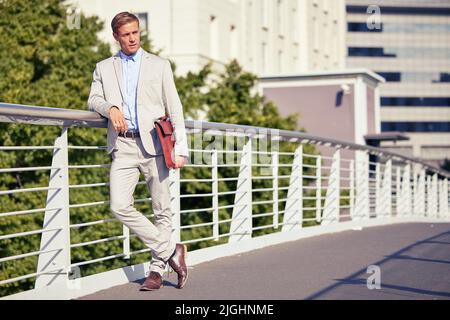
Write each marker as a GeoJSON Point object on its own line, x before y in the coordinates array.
{"type": "Point", "coordinates": [122, 18]}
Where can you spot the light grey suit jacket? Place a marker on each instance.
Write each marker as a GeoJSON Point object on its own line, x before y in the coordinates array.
{"type": "Point", "coordinates": [156, 96]}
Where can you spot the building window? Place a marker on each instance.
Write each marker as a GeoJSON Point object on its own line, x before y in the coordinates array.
{"type": "Point", "coordinates": [326, 46]}
{"type": "Point", "coordinates": [410, 126]}
{"type": "Point", "coordinates": [281, 19]}
{"type": "Point", "coordinates": [294, 24]}
{"type": "Point", "coordinates": [249, 35]}
{"type": "Point", "coordinates": [362, 27]}
{"type": "Point", "coordinates": [336, 50]}
{"type": "Point", "coordinates": [369, 52]}
{"type": "Point", "coordinates": [265, 13]}
{"type": "Point", "coordinates": [414, 102]}
{"type": "Point", "coordinates": [400, 52]}
{"type": "Point", "coordinates": [295, 50]}
{"type": "Point", "coordinates": [391, 76]}
{"type": "Point", "coordinates": [416, 28]}
{"type": "Point", "coordinates": [233, 42]}
{"type": "Point", "coordinates": [315, 34]}
{"type": "Point", "coordinates": [295, 63]}
{"type": "Point", "coordinates": [444, 77]}
{"type": "Point", "coordinates": [214, 37]}
{"type": "Point", "coordinates": [416, 77]}
{"type": "Point", "coordinates": [264, 57]}
{"type": "Point", "coordinates": [402, 10]}
{"type": "Point", "coordinates": [280, 61]}
{"type": "Point", "coordinates": [143, 21]}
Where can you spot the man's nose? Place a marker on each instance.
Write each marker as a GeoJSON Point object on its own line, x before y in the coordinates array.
{"type": "Point", "coordinates": [132, 38]}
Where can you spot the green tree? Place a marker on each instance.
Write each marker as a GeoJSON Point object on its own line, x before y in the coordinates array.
{"type": "Point", "coordinates": [230, 98]}
{"type": "Point", "coordinates": [43, 62]}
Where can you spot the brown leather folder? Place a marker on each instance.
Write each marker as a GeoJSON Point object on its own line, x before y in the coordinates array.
{"type": "Point", "coordinates": [164, 130]}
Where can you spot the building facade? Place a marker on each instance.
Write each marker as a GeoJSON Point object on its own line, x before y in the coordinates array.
{"type": "Point", "coordinates": [265, 36]}
{"type": "Point", "coordinates": [349, 99]}
{"type": "Point", "coordinates": [405, 41]}
{"type": "Point", "coordinates": [408, 43]}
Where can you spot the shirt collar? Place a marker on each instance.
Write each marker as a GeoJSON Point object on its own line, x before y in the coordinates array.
{"type": "Point", "coordinates": [134, 57]}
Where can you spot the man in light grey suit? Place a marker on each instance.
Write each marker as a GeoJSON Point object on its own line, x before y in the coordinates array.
{"type": "Point", "coordinates": [132, 89]}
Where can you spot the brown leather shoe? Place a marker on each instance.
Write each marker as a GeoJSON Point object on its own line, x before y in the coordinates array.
{"type": "Point", "coordinates": [153, 282]}
{"type": "Point", "coordinates": [178, 264]}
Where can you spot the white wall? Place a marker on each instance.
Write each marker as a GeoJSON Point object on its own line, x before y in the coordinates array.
{"type": "Point", "coordinates": [186, 33]}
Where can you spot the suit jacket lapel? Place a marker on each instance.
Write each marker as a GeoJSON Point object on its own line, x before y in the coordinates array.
{"type": "Point", "coordinates": [119, 73]}
{"type": "Point", "coordinates": [145, 58]}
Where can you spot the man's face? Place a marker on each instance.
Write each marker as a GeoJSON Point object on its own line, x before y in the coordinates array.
{"type": "Point", "coordinates": [129, 37]}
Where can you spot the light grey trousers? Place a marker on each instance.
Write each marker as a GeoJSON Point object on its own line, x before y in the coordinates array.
{"type": "Point", "coordinates": [129, 159]}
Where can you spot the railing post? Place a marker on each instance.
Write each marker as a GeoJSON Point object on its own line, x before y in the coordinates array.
{"type": "Point", "coordinates": [419, 192]}
{"type": "Point", "coordinates": [440, 198]}
{"type": "Point", "coordinates": [419, 207]}
{"type": "Point", "coordinates": [174, 178]}
{"type": "Point", "coordinates": [215, 192]}
{"type": "Point", "coordinates": [126, 242]}
{"type": "Point", "coordinates": [415, 185]}
{"type": "Point", "coordinates": [434, 196]}
{"type": "Point", "coordinates": [429, 205]}
{"type": "Point", "coordinates": [352, 188]}
{"type": "Point", "coordinates": [318, 189]}
{"type": "Point", "coordinates": [332, 199]}
{"type": "Point", "coordinates": [293, 211]}
{"type": "Point", "coordinates": [362, 185]}
{"type": "Point", "coordinates": [377, 189]}
{"type": "Point", "coordinates": [405, 192]}
{"type": "Point", "coordinates": [275, 161]}
{"type": "Point", "coordinates": [401, 194]}
{"type": "Point", "coordinates": [59, 240]}
{"type": "Point", "coordinates": [241, 223]}
{"type": "Point", "coordinates": [384, 202]}
{"type": "Point", "coordinates": [443, 203]}
{"type": "Point", "coordinates": [398, 198]}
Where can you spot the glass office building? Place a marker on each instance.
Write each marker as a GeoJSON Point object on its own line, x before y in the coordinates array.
{"type": "Point", "coordinates": [408, 43]}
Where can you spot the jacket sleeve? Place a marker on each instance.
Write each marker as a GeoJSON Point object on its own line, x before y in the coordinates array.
{"type": "Point", "coordinates": [174, 109]}
{"type": "Point", "coordinates": [96, 101]}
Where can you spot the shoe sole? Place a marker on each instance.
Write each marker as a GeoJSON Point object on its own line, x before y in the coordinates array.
{"type": "Point", "coordinates": [187, 272]}
{"type": "Point", "coordinates": [148, 289]}
{"type": "Point", "coordinates": [184, 283]}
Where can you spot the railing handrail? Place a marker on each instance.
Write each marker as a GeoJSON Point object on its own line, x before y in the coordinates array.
{"type": "Point", "coordinates": [312, 193]}
{"type": "Point", "coordinates": [80, 118]}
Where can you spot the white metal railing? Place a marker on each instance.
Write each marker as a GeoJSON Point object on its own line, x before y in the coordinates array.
{"type": "Point", "coordinates": [297, 189]}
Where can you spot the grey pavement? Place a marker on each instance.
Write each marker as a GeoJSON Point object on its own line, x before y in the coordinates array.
{"type": "Point", "coordinates": [414, 262]}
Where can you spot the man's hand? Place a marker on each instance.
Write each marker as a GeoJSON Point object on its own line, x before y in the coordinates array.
{"type": "Point", "coordinates": [118, 120]}
{"type": "Point", "coordinates": [180, 161]}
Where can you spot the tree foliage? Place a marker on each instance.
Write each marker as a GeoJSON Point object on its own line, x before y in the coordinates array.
{"type": "Point", "coordinates": [44, 63]}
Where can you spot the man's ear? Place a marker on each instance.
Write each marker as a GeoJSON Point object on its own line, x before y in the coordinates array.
{"type": "Point", "coordinates": [116, 36]}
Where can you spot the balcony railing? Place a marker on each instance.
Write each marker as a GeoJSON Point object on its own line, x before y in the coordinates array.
{"type": "Point", "coordinates": [266, 181]}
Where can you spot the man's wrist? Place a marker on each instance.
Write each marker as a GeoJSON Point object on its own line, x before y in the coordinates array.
{"type": "Point", "coordinates": [111, 108]}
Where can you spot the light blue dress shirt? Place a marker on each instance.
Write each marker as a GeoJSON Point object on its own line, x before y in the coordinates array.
{"type": "Point", "coordinates": [130, 77]}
